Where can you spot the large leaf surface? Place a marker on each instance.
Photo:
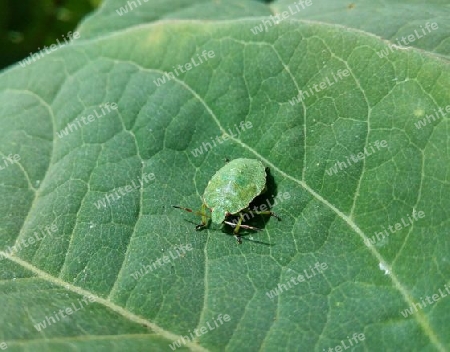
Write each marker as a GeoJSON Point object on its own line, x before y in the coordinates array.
{"type": "Point", "coordinates": [96, 250]}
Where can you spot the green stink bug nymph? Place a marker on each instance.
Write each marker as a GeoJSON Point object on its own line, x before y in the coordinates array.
{"type": "Point", "coordinates": [229, 193]}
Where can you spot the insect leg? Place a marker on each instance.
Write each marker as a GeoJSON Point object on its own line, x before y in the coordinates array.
{"type": "Point", "coordinates": [201, 213]}
{"type": "Point", "coordinates": [242, 226]}
{"type": "Point", "coordinates": [238, 226]}
{"type": "Point", "coordinates": [204, 218]}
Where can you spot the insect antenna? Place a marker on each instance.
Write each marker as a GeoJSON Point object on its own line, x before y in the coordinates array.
{"type": "Point", "coordinates": [199, 213]}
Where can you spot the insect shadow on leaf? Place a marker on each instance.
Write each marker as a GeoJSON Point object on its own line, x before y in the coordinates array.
{"type": "Point", "coordinates": [239, 192]}
{"type": "Point", "coordinates": [264, 202]}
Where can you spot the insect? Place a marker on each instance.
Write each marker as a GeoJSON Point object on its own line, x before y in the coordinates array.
{"type": "Point", "coordinates": [230, 192]}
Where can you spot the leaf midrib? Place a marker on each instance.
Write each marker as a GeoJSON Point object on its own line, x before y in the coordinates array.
{"type": "Point", "coordinates": [106, 303]}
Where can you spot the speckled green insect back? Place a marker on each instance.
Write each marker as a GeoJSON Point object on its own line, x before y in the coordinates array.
{"type": "Point", "coordinates": [229, 193]}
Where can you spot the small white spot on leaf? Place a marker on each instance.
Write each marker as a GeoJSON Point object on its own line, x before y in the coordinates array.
{"type": "Point", "coordinates": [385, 268]}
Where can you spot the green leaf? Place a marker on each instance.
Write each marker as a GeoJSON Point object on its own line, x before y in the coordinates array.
{"type": "Point", "coordinates": [328, 218]}
{"type": "Point", "coordinates": [392, 20]}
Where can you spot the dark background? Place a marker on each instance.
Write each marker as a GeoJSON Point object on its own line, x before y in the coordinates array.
{"type": "Point", "coordinates": [26, 25]}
